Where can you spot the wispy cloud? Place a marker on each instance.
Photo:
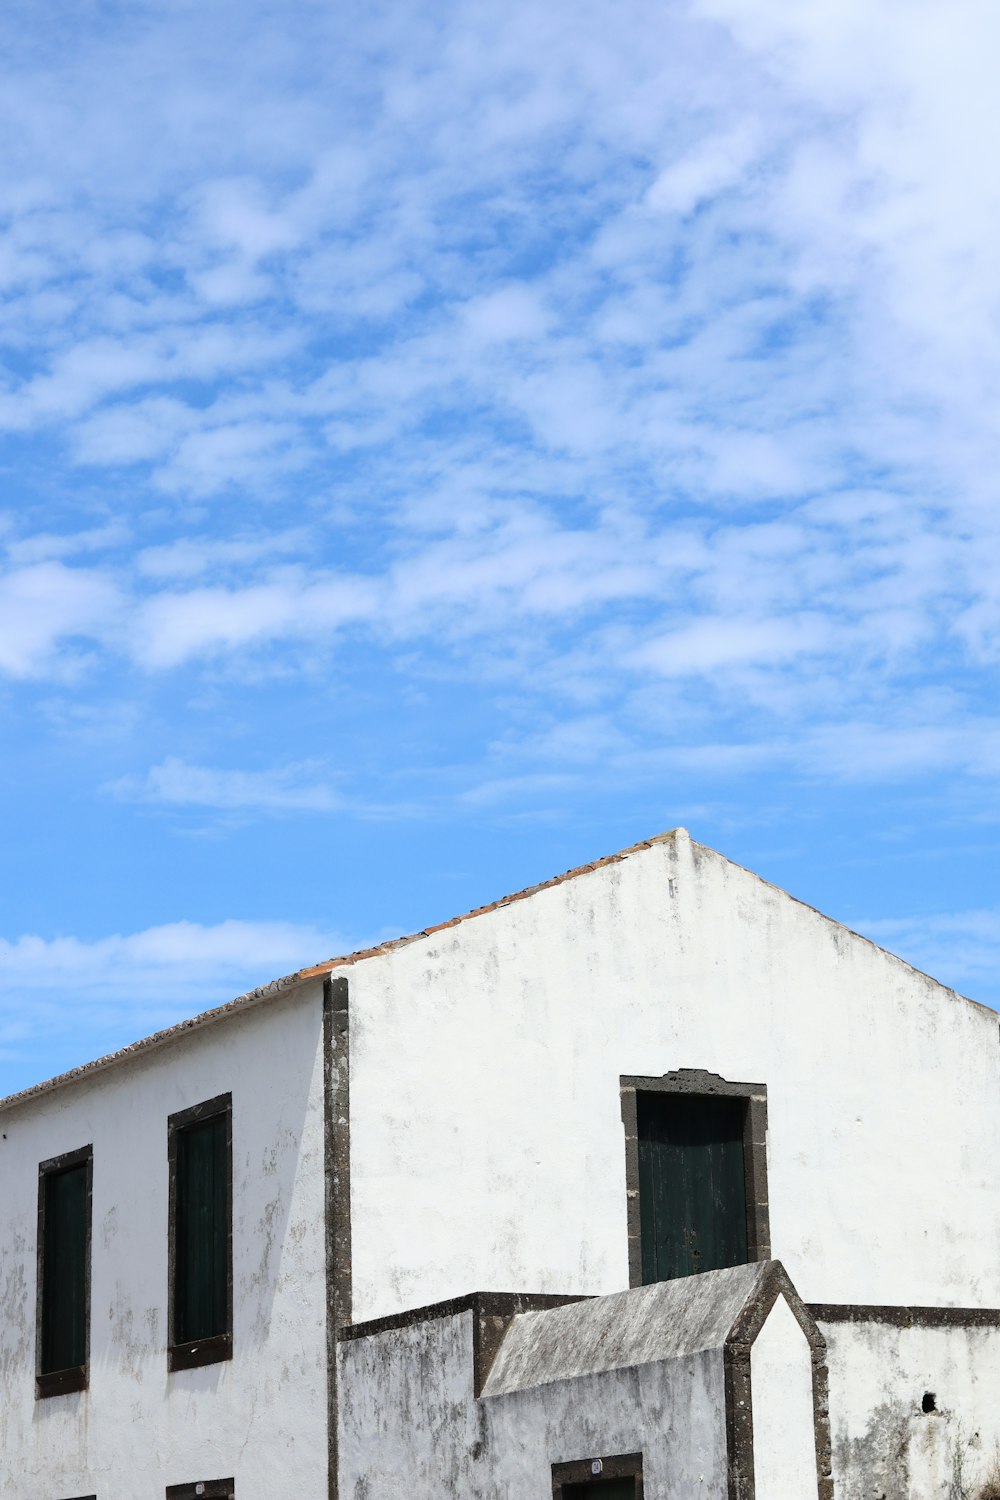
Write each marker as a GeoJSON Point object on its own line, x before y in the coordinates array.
{"type": "Point", "coordinates": [285, 790]}
{"type": "Point", "coordinates": [47, 610]}
{"type": "Point", "coordinates": [716, 643]}
{"type": "Point", "coordinates": [105, 992]}
{"type": "Point", "coordinates": [549, 403]}
{"type": "Point", "coordinates": [175, 955]}
{"type": "Point", "coordinates": [176, 783]}
{"type": "Point", "coordinates": [962, 948]}
{"type": "Point", "coordinates": [194, 556]}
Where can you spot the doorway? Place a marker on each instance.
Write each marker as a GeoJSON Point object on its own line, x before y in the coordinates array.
{"type": "Point", "coordinates": [600, 1489]}
{"type": "Point", "coordinates": [618, 1477]}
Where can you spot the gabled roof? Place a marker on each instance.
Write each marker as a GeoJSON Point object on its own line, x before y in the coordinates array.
{"type": "Point", "coordinates": [277, 988]}
{"type": "Point", "coordinates": [667, 1320]}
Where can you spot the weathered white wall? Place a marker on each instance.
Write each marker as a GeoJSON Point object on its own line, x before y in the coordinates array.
{"type": "Point", "coordinates": [260, 1417]}
{"type": "Point", "coordinates": [637, 1371]}
{"type": "Point", "coordinates": [672, 1412]}
{"type": "Point", "coordinates": [784, 1431]}
{"type": "Point", "coordinates": [410, 1424]}
{"type": "Point", "coordinates": [488, 1152]}
{"type": "Point", "coordinates": [487, 1143]}
{"type": "Point", "coordinates": [408, 1421]}
{"type": "Point", "coordinates": [883, 1443]}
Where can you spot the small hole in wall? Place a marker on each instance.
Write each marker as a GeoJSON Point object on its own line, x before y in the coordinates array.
{"type": "Point", "coordinates": [929, 1402]}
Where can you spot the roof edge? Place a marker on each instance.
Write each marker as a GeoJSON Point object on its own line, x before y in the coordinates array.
{"type": "Point", "coordinates": [252, 998]}
{"type": "Point", "coordinates": [833, 921]}
{"type": "Point", "coordinates": [277, 987]}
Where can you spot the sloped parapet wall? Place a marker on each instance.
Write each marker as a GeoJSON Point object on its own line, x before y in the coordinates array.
{"type": "Point", "coordinates": [694, 1375]}
{"type": "Point", "coordinates": [914, 1401]}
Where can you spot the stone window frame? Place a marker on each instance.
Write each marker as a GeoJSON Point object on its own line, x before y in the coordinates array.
{"type": "Point", "coordinates": [203, 1489]}
{"type": "Point", "coordinates": [612, 1466]}
{"type": "Point", "coordinates": [197, 1352]}
{"type": "Point", "coordinates": [697, 1081]}
{"type": "Point", "coordinates": [76, 1378]}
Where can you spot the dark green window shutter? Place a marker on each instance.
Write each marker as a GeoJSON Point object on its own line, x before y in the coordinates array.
{"type": "Point", "coordinates": [692, 1186]}
{"type": "Point", "coordinates": [201, 1230]}
{"type": "Point", "coordinates": [66, 1209]}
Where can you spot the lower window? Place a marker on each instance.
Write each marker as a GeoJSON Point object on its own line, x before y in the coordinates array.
{"type": "Point", "coordinates": [203, 1489]}
{"type": "Point", "coordinates": [615, 1477]}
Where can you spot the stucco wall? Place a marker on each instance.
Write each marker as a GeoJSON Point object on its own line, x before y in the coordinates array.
{"type": "Point", "coordinates": [884, 1443]}
{"type": "Point", "coordinates": [487, 1144]}
{"type": "Point", "coordinates": [410, 1424]}
{"type": "Point", "coordinates": [641, 1371]}
{"type": "Point", "coordinates": [784, 1430]}
{"type": "Point", "coordinates": [260, 1417]}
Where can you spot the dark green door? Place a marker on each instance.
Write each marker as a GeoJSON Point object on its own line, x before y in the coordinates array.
{"type": "Point", "coordinates": [692, 1194]}
{"type": "Point", "coordinates": [600, 1489]}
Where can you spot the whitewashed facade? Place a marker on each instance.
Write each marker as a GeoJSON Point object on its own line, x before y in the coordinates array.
{"type": "Point", "coordinates": [450, 1114]}
{"type": "Point", "coordinates": [137, 1429]}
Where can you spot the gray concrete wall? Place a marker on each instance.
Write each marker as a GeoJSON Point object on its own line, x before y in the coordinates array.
{"type": "Point", "coordinates": [884, 1443]}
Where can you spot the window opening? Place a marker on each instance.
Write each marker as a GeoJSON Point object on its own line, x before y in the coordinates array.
{"type": "Point", "coordinates": [696, 1174]}
{"type": "Point", "coordinates": [64, 1217]}
{"type": "Point", "coordinates": [201, 1234]}
{"type": "Point", "coordinates": [692, 1199]}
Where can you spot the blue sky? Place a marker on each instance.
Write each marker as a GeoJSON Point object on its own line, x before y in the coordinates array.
{"type": "Point", "coordinates": [444, 444]}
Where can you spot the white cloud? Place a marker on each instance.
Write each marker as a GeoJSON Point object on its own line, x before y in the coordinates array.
{"type": "Point", "coordinates": [596, 402]}
{"type": "Point", "coordinates": [128, 434]}
{"type": "Point", "coordinates": [176, 783]}
{"type": "Point", "coordinates": [236, 214]}
{"type": "Point", "coordinates": [714, 165]}
{"type": "Point", "coordinates": [46, 609]}
{"type": "Point", "coordinates": [512, 312]}
{"type": "Point", "coordinates": [192, 556]}
{"type": "Point", "coordinates": [172, 628]}
{"type": "Point", "coordinates": [223, 455]}
{"type": "Point", "coordinates": [720, 642]}
{"type": "Point", "coordinates": [637, 352]}
{"type": "Point", "coordinates": [44, 546]}
{"type": "Point", "coordinates": [172, 956]}
{"type": "Point", "coordinates": [108, 991]}
{"type": "Point", "coordinates": [962, 949]}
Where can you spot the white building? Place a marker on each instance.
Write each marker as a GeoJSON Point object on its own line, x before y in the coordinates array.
{"type": "Point", "coordinates": [422, 1221]}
